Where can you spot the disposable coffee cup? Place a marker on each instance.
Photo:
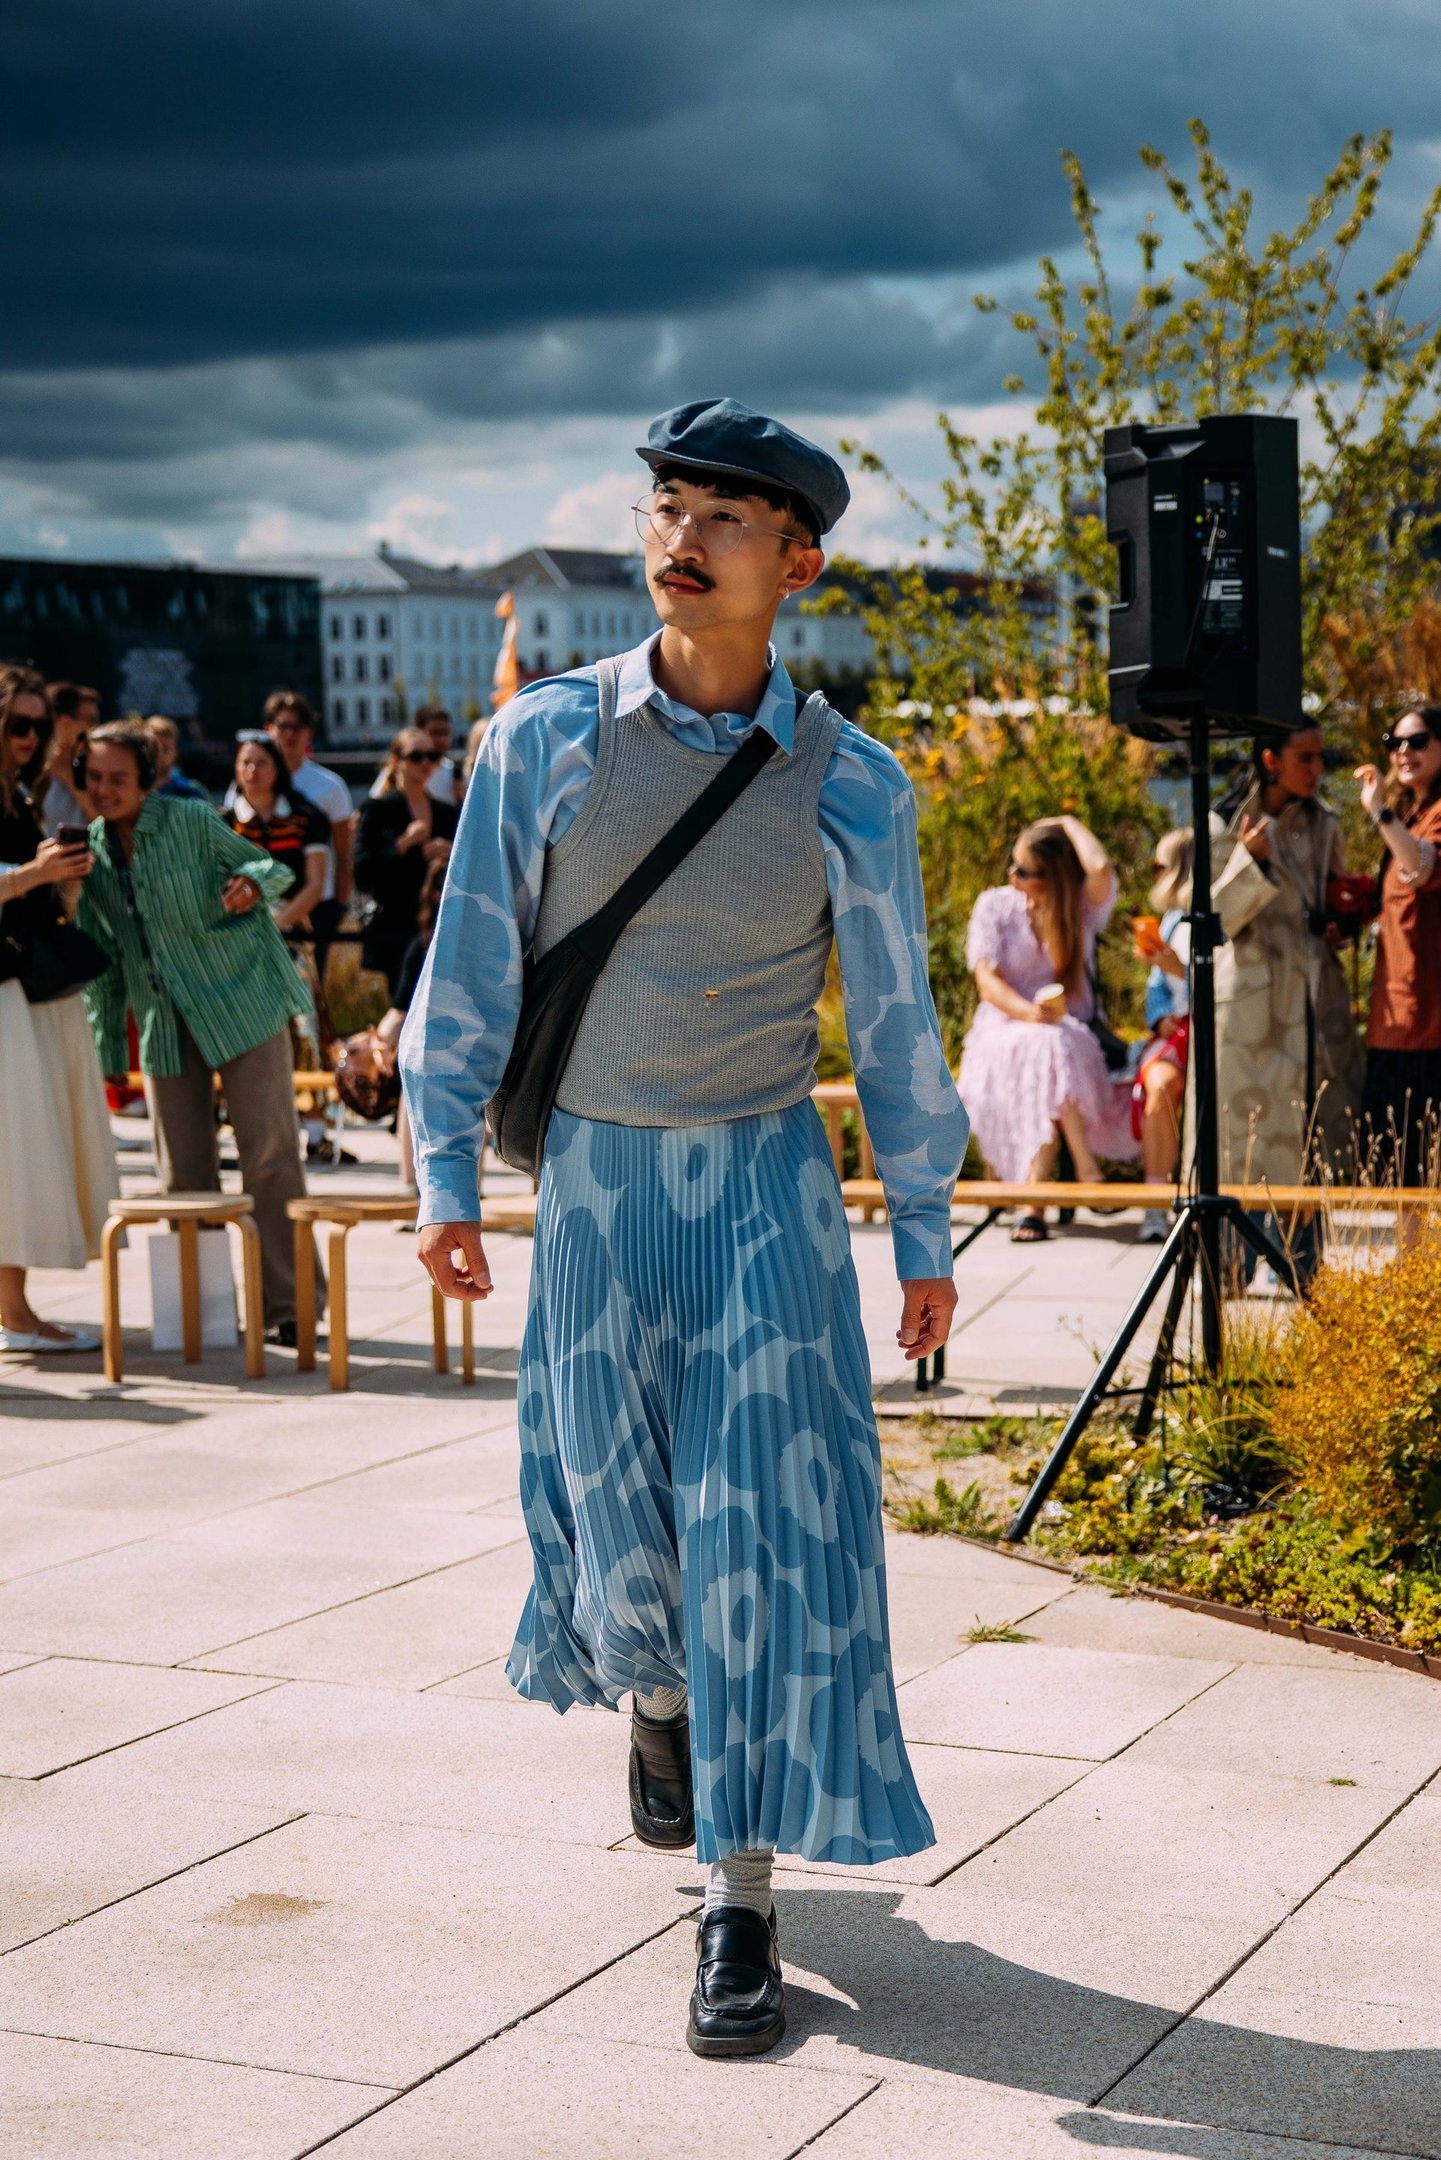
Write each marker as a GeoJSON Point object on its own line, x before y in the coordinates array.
{"type": "Point", "coordinates": [1051, 998]}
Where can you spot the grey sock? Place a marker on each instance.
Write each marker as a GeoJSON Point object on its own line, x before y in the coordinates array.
{"type": "Point", "coordinates": [742, 1878]}
{"type": "Point", "coordinates": [665, 1703]}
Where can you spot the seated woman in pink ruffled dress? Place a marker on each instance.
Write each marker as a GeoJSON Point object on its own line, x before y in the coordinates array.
{"type": "Point", "coordinates": [1032, 1070]}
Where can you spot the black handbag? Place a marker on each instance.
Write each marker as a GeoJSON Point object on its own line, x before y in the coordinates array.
{"type": "Point", "coordinates": [52, 961]}
{"type": "Point", "coordinates": [1114, 1048]}
{"type": "Point", "coordinates": [556, 990]}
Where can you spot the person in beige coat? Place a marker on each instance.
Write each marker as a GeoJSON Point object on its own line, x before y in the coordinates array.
{"type": "Point", "coordinates": [1289, 1061]}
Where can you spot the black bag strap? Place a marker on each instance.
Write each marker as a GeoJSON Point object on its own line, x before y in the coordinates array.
{"type": "Point", "coordinates": [597, 935]}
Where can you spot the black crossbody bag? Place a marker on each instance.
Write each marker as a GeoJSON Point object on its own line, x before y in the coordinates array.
{"type": "Point", "coordinates": [556, 990]}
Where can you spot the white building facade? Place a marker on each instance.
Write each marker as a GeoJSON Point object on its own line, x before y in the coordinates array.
{"type": "Point", "coordinates": [398, 633]}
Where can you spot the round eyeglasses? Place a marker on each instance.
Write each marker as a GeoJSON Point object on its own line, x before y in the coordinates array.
{"type": "Point", "coordinates": [719, 531]}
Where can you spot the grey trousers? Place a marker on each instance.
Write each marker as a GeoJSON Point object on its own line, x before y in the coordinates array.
{"type": "Point", "coordinates": [260, 1099]}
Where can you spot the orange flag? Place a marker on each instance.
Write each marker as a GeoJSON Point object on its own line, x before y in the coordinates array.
{"type": "Point", "coordinates": [506, 679]}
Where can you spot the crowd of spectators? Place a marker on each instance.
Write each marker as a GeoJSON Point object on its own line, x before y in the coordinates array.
{"type": "Point", "coordinates": [143, 925]}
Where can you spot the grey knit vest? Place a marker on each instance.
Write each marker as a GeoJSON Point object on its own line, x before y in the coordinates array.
{"type": "Point", "coordinates": [707, 1006]}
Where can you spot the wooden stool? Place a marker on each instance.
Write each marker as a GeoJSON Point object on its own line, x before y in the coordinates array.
{"type": "Point", "coordinates": [342, 1213]}
{"type": "Point", "coordinates": [187, 1211]}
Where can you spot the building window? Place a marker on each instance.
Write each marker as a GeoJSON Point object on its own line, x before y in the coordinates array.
{"type": "Point", "coordinates": [436, 629]}
{"type": "Point", "coordinates": [382, 667]}
{"type": "Point", "coordinates": [387, 712]}
{"type": "Point", "coordinates": [337, 711]}
{"type": "Point", "coordinates": [362, 711]}
{"type": "Point", "coordinates": [579, 625]}
{"type": "Point", "coordinates": [474, 631]}
{"type": "Point", "coordinates": [455, 667]}
{"type": "Point", "coordinates": [542, 660]}
{"type": "Point", "coordinates": [357, 624]}
{"type": "Point", "coordinates": [337, 626]}
{"type": "Point", "coordinates": [382, 626]}
{"type": "Point", "coordinates": [360, 667]}
{"type": "Point", "coordinates": [595, 625]}
{"type": "Point", "coordinates": [454, 629]}
{"type": "Point", "coordinates": [541, 625]}
{"type": "Point", "coordinates": [337, 667]}
{"type": "Point", "coordinates": [610, 624]}
{"type": "Point", "coordinates": [798, 637]}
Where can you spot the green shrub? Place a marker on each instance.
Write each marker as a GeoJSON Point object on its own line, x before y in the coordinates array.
{"type": "Point", "coordinates": [1360, 1415]}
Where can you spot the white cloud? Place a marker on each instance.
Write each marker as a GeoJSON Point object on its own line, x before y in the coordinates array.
{"type": "Point", "coordinates": [597, 513]}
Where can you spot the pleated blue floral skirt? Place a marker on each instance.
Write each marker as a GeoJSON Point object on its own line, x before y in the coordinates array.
{"type": "Point", "coordinates": [701, 1476]}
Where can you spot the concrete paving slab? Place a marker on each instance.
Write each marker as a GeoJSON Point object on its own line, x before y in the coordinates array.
{"type": "Point", "coordinates": [974, 2121]}
{"type": "Point", "coordinates": [931, 1619]}
{"type": "Point", "coordinates": [60, 2099]}
{"type": "Point", "coordinates": [1133, 1838]}
{"type": "Point", "coordinates": [63, 1709]}
{"type": "Point", "coordinates": [1089, 1617]}
{"type": "Point", "coordinates": [32, 1538]}
{"type": "Point", "coordinates": [424, 1632]}
{"type": "Point", "coordinates": [459, 1476]}
{"type": "Point", "coordinates": [318, 1527]}
{"type": "Point", "coordinates": [973, 1798]}
{"type": "Point", "coordinates": [502, 1767]}
{"type": "Point", "coordinates": [40, 1429]}
{"type": "Point", "coordinates": [555, 2100]}
{"type": "Point", "coordinates": [66, 1852]}
{"type": "Point", "coordinates": [1031, 1699]}
{"type": "Point", "coordinates": [165, 1600]}
{"type": "Point", "coordinates": [359, 1951]}
{"type": "Point", "coordinates": [927, 1985]}
{"type": "Point", "coordinates": [1378, 1726]}
{"type": "Point", "coordinates": [1328, 2068]}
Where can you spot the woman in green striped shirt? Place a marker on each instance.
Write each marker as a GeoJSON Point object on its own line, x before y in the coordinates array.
{"type": "Point", "coordinates": [174, 898]}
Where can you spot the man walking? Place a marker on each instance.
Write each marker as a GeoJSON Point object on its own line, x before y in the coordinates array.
{"type": "Point", "coordinates": [700, 1470]}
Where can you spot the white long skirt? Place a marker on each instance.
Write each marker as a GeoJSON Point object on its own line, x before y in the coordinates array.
{"type": "Point", "coordinates": [57, 1159]}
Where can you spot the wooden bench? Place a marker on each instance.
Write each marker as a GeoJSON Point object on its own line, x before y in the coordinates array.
{"type": "Point", "coordinates": [342, 1212]}
{"type": "Point", "coordinates": [310, 1085]}
{"type": "Point", "coordinates": [187, 1211]}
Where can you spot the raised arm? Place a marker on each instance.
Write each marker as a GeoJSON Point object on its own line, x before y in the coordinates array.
{"type": "Point", "coordinates": [1100, 878]}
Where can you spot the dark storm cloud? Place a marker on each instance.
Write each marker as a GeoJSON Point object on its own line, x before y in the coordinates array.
{"type": "Point", "coordinates": [189, 182]}
{"type": "Point", "coordinates": [248, 240]}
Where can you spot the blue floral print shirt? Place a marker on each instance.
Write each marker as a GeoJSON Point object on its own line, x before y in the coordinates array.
{"type": "Point", "coordinates": [529, 783]}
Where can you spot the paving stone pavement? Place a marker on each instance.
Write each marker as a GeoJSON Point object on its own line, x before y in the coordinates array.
{"type": "Point", "coordinates": [285, 1867]}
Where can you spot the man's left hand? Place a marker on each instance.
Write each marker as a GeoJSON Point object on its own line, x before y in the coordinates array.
{"type": "Point", "coordinates": [926, 1315]}
{"type": "Point", "coordinates": [240, 896]}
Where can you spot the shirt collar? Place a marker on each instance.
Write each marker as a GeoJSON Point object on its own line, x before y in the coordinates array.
{"type": "Point", "coordinates": [776, 712]}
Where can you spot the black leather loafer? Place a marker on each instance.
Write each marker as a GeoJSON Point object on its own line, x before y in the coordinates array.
{"type": "Point", "coordinates": [739, 2003]}
{"type": "Point", "coordinates": [662, 1808]}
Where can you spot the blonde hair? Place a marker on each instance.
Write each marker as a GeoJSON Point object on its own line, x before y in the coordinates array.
{"type": "Point", "coordinates": [1061, 927]}
{"type": "Point", "coordinates": [1175, 851]}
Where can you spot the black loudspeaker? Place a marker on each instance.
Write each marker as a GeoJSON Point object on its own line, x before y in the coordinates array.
{"type": "Point", "coordinates": [1206, 522]}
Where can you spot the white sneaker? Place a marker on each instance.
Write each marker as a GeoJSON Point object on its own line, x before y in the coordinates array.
{"type": "Point", "coordinates": [34, 1343]}
{"type": "Point", "coordinates": [1155, 1227]}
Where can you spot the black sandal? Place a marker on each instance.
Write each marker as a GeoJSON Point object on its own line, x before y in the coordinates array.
{"type": "Point", "coordinates": [1030, 1230]}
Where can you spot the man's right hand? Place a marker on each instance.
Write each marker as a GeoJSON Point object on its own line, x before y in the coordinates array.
{"type": "Point", "coordinates": [453, 1257]}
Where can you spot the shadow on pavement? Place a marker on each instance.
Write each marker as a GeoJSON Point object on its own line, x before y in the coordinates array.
{"type": "Point", "coordinates": [955, 2007]}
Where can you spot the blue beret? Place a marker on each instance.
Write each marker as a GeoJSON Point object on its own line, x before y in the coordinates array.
{"type": "Point", "coordinates": [730, 438]}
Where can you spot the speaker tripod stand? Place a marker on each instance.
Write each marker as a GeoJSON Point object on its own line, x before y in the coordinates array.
{"type": "Point", "coordinates": [1193, 1249]}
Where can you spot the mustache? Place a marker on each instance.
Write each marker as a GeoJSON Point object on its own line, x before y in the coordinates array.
{"type": "Point", "coordinates": [685, 570]}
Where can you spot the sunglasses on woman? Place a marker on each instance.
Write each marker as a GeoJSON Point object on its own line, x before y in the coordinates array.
{"type": "Point", "coordinates": [17, 730]}
{"type": "Point", "coordinates": [420, 757]}
{"type": "Point", "coordinates": [1027, 876]}
{"type": "Point", "coordinates": [1391, 742]}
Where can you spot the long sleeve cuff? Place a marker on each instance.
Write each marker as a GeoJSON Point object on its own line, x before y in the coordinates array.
{"type": "Point", "coordinates": [449, 1185]}
{"type": "Point", "coordinates": [921, 1240]}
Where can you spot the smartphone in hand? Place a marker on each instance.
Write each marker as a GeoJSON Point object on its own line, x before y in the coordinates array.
{"type": "Point", "coordinates": [72, 836]}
